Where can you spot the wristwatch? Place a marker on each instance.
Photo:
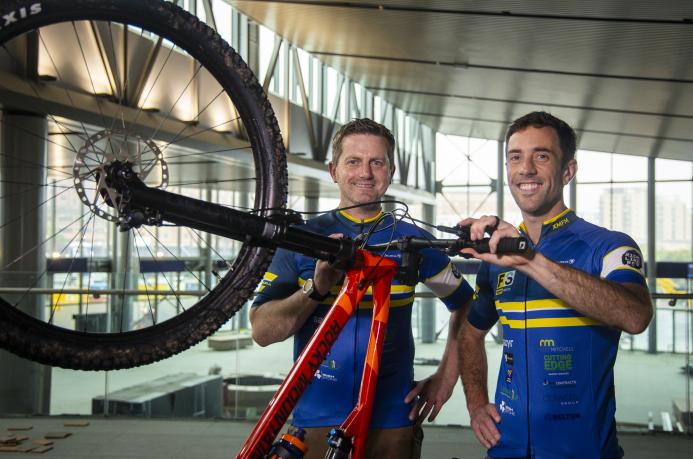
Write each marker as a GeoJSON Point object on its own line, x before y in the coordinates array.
{"type": "Point", "coordinates": [312, 293]}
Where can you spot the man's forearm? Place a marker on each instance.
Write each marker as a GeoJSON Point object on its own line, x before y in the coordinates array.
{"type": "Point", "coordinates": [277, 320]}
{"type": "Point", "coordinates": [473, 367]}
{"type": "Point", "coordinates": [449, 364]}
{"type": "Point", "coordinates": [627, 307]}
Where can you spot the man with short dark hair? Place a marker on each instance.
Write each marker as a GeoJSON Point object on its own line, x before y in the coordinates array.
{"type": "Point", "coordinates": [297, 292]}
{"type": "Point", "coordinates": [562, 306]}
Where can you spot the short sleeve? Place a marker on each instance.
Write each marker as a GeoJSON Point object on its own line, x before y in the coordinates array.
{"type": "Point", "coordinates": [483, 314]}
{"type": "Point", "coordinates": [440, 275]}
{"type": "Point", "coordinates": [280, 280]}
{"type": "Point", "coordinates": [620, 260]}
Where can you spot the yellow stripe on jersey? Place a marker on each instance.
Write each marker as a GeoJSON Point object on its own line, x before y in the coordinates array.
{"type": "Point", "coordinates": [532, 305]}
{"type": "Point", "coordinates": [549, 322]}
{"type": "Point", "coordinates": [266, 280]}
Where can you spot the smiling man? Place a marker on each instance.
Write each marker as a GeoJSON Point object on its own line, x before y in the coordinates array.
{"type": "Point", "coordinates": [562, 306]}
{"type": "Point", "coordinates": [296, 293]}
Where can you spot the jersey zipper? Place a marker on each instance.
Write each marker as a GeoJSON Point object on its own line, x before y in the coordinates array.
{"type": "Point", "coordinates": [529, 424]}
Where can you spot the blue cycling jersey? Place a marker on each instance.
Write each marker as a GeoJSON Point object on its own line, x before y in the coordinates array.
{"type": "Point", "coordinates": [555, 390]}
{"type": "Point", "coordinates": [334, 390]}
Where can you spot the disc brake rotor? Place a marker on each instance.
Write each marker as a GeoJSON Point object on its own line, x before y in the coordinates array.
{"type": "Point", "coordinates": [100, 151]}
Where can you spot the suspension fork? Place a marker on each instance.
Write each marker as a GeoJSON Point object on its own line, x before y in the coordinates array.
{"type": "Point", "coordinates": [369, 269]}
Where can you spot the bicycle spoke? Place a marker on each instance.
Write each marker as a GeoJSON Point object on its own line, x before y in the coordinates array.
{"type": "Point", "coordinates": [43, 242]}
{"type": "Point", "coordinates": [91, 261]}
{"type": "Point", "coordinates": [175, 138]}
{"type": "Point", "coordinates": [72, 262]}
{"type": "Point", "coordinates": [151, 88]}
{"type": "Point", "coordinates": [170, 110]}
{"type": "Point", "coordinates": [164, 275]}
{"type": "Point", "coordinates": [223, 150]}
{"type": "Point", "coordinates": [86, 67]}
{"type": "Point", "coordinates": [202, 131]}
{"type": "Point", "coordinates": [19, 217]}
{"type": "Point", "coordinates": [40, 276]}
{"type": "Point", "coordinates": [146, 289]}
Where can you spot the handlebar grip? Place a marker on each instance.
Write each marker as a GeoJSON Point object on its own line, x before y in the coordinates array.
{"type": "Point", "coordinates": [512, 245]}
{"type": "Point", "coordinates": [505, 245]}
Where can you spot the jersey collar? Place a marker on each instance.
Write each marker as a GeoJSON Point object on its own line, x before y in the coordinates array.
{"type": "Point", "coordinates": [353, 219]}
{"type": "Point", "coordinates": [553, 224]}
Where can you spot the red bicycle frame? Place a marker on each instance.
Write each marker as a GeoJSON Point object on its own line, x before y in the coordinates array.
{"type": "Point", "coordinates": [369, 269]}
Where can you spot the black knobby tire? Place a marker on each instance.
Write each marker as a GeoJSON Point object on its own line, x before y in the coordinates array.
{"type": "Point", "coordinates": [53, 345]}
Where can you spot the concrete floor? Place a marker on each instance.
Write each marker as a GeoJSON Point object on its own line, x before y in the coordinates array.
{"type": "Point", "coordinates": [645, 386]}
{"type": "Point", "coordinates": [116, 438]}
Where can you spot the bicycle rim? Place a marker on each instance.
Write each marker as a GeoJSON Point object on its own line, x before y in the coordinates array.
{"type": "Point", "coordinates": [147, 83]}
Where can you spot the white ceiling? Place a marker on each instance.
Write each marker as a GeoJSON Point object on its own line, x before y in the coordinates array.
{"type": "Point", "coordinates": [619, 71]}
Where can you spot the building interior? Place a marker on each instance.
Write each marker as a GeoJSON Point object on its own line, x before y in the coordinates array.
{"type": "Point", "coordinates": [80, 92]}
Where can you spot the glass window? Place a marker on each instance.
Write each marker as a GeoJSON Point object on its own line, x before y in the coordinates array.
{"type": "Point", "coordinates": [593, 166]}
{"type": "Point", "coordinates": [377, 108]}
{"type": "Point", "coordinates": [315, 85]}
{"type": "Point", "coordinates": [222, 17]}
{"type": "Point", "coordinates": [201, 10]}
{"type": "Point", "coordinates": [668, 169]}
{"type": "Point", "coordinates": [673, 221]}
{"type": "Point", "coordinates": [266, 46]}
{"type": "Point", "coordinates": [331, 83]}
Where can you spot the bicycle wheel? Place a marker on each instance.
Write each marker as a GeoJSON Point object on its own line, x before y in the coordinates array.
{"type": "Point", "coordinates": [137, 81]}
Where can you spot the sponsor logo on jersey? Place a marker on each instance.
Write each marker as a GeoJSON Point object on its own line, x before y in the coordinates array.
{"type": "Point", "coordinates": [504, 280]}
{"type": "Point", "coordinates": [560, 223]}
{"type": "Point", "coordinates": [506, 409]}
{"type": "Point", "coordinates": [319, 375]}
{"type": "Point", "coordinates": [455, 271]}
{"type": "Point", "coordinates": [508, 343]}
{"type": "Point", "coordinates": [330, 364]}
{"type": "Point", "coordinates": [562, 416]}
{"type": "Point", "coordinates": [632, 258]}
{"type": "Point", "coordinates": [509, 358]}
{"type": "Point", "coordinates": [558, 362]}
{"type": "Point", "coordinates": [509, 375]}
{"type": "Point", "coordinates": [565, 399]}
{"type": "Point", "coordinates": [549, 345]}
{"type": "Point", "coordinates": [508, 392]}
{"type": "Point", "coordinates": [560, 383]}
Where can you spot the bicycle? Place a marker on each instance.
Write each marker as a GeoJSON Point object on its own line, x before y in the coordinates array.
{"type": "Point", "coordinates": [122, 185]}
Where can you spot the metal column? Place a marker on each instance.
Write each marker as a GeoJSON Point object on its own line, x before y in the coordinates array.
{"type": "Point", "coordinates": [651, 258]}
{"type": "Point", "coordinates": [23, 159]}
{"type": "Point", "coordinates": [573, 194]}
{"type": "Point", "coordinates": [243, 201]}
{"type": "Point", "coordinates": [124, 276]}
{"type": "Point", "coordinates": [427, 306]}
{"type": "Point", "coordinates": [311, 197]}
{"type": "Point", "coordinates": [500, 181]}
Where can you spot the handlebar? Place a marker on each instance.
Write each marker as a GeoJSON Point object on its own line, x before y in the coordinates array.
{"type": "Point", "coordinates": [411, 257]}
{"type": "Point", "coordinates": [453, 246]}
